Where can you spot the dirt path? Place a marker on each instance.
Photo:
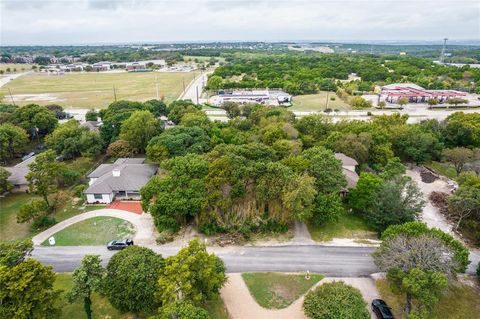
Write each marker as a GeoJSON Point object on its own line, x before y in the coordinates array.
{"type": "Point", "coordinates": [301, 235]}
{"type": "Point", "coordinates": [241, 305]}
{"type": "Point", "coordinates": [430, 215]}
{"type": "Point", "coordinates": [144, 227]}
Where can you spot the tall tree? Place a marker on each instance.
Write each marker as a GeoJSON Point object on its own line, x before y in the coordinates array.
{"type": "Point", "coordinates": [458, 156]}
{"type": "Point", "coordinates": [44, 174]}
{"type": "Point", "coordinates": [192, 274]}
{"type": "Point", "coordinates": [26, 291]}
{"type": "Point", "coordinates": [35, 119]}
{"type": "Point", "coordinates": [87, 278]}
{"type": "Point", "coordinates": [131, 279]}
{"type": "Point", "coordinates": [15, 252]}
{"type": "Point", "coordinates": [139, 128]}
{"type": "Point", "coordinates": [5, 185]}
{"type": "Point", "coordinates": [13, 141]}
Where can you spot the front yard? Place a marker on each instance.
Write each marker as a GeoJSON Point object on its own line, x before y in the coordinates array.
{"type": "Point", "coordinates": [347, 226]}
{"type": "Point", "coordinates": [93, 231]}
{"type": "Point", "coordinates": [276, 290]}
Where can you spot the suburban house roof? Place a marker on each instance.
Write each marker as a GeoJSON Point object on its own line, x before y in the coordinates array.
{"type": "Point", "coordinates": [19, 172]}
{"type": "Point", "coordinates": [126, 174]}
{"type": "Point", "coordinates": [92, 125]}
{"type": "Point", "coordinates": [350, 175]}
{"type": "Point", "coordinates": [346, 160]}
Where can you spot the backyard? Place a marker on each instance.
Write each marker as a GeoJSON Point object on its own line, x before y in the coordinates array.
{"type": "Point", "coordinates": [96, 90]}
{"type": "Point", "coordinates": [317, 102]}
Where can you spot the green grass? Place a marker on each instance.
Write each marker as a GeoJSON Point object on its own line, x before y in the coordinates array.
{"type": "Point", "coordinates": [459, 301]}
{"type": "Point", "coordinates": [316, 102]}
{"type": "Point", "coordinates": [95, 90]}
{"type": "Point", "coordinates": [9, 206]}
{"type": "Point", "coordinates": [93, 231]}
{"type": "Point", "coordinates": [445, 169]}
{"type": "Point", "coordinates": [216, 309]}
{"type": "Point", "coordinates": [347, 226]}
{"type": "Point", "coordinates": [276, 290]}
{"type": "Point", "coordinates": [102, 309]}
{"type": "Point", "coordinates": [101, 305]}
{"type": "Point", "coordinates": [19, 67]}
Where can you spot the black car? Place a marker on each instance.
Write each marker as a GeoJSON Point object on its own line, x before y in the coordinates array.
{"type": "Point", "coordinates": [119, 244]}
{"type": "Point", "coordinates": [381, 309]}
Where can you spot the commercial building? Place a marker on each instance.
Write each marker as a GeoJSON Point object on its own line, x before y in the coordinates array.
{"type": "Point", "coordinates": [266, 96]}
{"type": "Point", "coordinates": [416, 94]}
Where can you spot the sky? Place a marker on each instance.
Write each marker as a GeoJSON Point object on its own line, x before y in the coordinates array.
{"type": "Point", "coordinates": [56, 22]}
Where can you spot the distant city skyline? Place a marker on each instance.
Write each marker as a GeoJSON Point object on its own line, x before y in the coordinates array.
{"type": "Point", "coordinates": [69, 22]}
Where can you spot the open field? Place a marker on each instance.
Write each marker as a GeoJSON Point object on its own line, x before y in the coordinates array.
{"type": "Point", "coordinates": [15, 67]}
{"type": "Point", "coordinates": [93, 231]}
{"type": "Point", "coordinates": [459, 301]}
{"type": "Point", "coordinates": [316, 102]}
{"type": "Point", "coordinates": [347, 226]}
{"type": "Point", "coordinates": [276, 290]}
{"type": "Point", "coordinates": [95, 90]}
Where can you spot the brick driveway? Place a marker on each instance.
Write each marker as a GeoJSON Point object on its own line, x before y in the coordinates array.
{"type": "Point", "coordinates": [129, 206]}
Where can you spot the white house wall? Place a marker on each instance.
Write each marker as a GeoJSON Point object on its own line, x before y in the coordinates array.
{"type": "Point", "coordinates": [106, 199]}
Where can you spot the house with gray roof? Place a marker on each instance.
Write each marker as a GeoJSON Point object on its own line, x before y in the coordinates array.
{"type": "Point", "coordinates": [348, 168]}
{"type": "Point", "coordinates": [121, 180]}
{"type": "Point", "coordinates": [19, 173]}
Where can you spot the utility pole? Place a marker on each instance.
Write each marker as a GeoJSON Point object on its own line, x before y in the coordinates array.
{"type": "Point", "coordinates": [197, 93]}
{"type": "Point", "coordinates": [11, 96]}
{"type": "Point", "coordinates": [326, 101]}
{"type": "Point", "coordinates": [114, 94]}
{"type": "Point", "coordinates": [442, 55]}
{"type": "Point", "coordinates": [156, 87]}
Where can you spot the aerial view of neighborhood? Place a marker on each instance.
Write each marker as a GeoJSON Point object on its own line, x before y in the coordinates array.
{"type": "Point", "coordinates": [239, 159]}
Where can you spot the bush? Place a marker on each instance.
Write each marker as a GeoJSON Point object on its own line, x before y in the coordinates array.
{"type": "Point", "coordinates": [478, 271]}
{"type": "Point", "coordinates": [164, 237]}
{"type": "Point", "coordinates": [79, 189]}
{"type": "Point", "coordinates": [43, 222]}
{"type": "Point", "coordinates": [335, 300]}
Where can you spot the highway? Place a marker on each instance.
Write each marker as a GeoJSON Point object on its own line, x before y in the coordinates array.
{"type": "Point", "coordinates": [329, 260]}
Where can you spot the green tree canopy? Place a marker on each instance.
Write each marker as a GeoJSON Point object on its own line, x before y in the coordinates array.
{"type": "Point", "coordinates": [335, 300]}
{"type": "Point", "coordinates": [32, 117]}
{"type": "Point", "coordinates": [131, 279]}
{"type": "Point", "coordinates": [15, 252]}
{"type": "Point", "coordinates": [13, 141]}
{"type": "Point", "coordinates": [139, 129]}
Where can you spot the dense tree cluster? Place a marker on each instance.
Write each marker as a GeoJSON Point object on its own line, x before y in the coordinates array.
{"type": "Point", "coordinates": [306, 74]}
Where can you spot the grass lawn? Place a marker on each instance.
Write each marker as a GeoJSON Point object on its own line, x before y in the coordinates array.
{"type": "Point", "coordinates": [17, 66]}
{"type": "Point", "coordinates": [316, 102]}
{"type": "Point", "coordinates": [347, 226]}
{"type": "Point", "coordinates": [459, 301]}
{"type": "Point", "coordinates": [103, 310]}
{"type": "Point", "coordinates": [101, 306]}
{"type": "Point", "coordinates": [93, 231]}
{"type": "Point", "coordinates": [276, 290]}
{"type": "Point", "coordinates": [10, 204]}
{"type": "Point", "coordinates": [445, 169]}
{"type": "Point", "coordinates": [95, 90]}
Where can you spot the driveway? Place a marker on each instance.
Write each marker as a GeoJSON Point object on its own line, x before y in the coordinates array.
{"type": "Point", "coordinates": [144, 227]}
{"type": "Point", "coordinates": [430, 215]}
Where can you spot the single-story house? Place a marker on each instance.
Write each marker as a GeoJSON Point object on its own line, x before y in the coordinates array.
{"type": "Point", "coordinates": [92, 125]}
{"type": "Point", "coordinates": [121, 180]}
{"type": "Point", "coordinates": [348, 168]}
{"type": "Point", "coordinates": [19, 173]}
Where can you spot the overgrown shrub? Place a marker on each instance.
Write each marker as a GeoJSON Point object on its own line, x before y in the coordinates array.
{"type": "Point", "coordinates": [43, 222]}
{"type": "Point", "coordinates": [164, 237]}
{"type": "Point", "coordinates": [335, 300]}
{"type": "Point", "coordinates": [79, 189]}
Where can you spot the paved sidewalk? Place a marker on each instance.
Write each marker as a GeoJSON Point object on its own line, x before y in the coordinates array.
{"type": "Point", "coordinates": [144, 226]}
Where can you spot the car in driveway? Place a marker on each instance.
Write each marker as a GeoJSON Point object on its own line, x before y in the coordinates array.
{"type": "Point", "coordinates": [381, 309]}
{"type": "Point", "coordinates": [119, 244]}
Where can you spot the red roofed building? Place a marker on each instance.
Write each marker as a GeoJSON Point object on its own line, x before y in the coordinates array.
{"type": "Point", "coordinates": [416, 94]}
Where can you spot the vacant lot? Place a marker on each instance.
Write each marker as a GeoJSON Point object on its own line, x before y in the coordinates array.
{"type": "Point", "coordinates": [276, 290]}
{"type": "Point", "coordinates": [459, 301]}
{"type": "Point", "coordinates": [15, 68]}
{"type": "Point", "coordinates": [317, 102]}
{"type": "Point", "coordinates": [93, 231]}
{"type": "Point", "coordinates": [347, 226]}
{"type": "Point", "coordinates": [96, 90]}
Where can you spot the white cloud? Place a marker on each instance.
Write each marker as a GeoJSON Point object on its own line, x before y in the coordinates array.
{"type": "Point", "coordinates": [116, 21]}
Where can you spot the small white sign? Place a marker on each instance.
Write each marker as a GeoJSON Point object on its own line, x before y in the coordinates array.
{"type": "Point", "coordinates": [51, 240]}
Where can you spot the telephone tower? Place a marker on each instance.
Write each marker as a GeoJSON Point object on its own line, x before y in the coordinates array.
{"type": "Point", "coordinates": [442, 55]}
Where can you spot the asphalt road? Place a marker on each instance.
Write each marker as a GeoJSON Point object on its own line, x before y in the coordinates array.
{"type": "Point", "coordinates": [330, 261]}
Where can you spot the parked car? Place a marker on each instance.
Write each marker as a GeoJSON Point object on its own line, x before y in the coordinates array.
{"type": "Point", "coordinates": [119, 244]}
{"type": "Point", "coordinates": [381, 309]}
